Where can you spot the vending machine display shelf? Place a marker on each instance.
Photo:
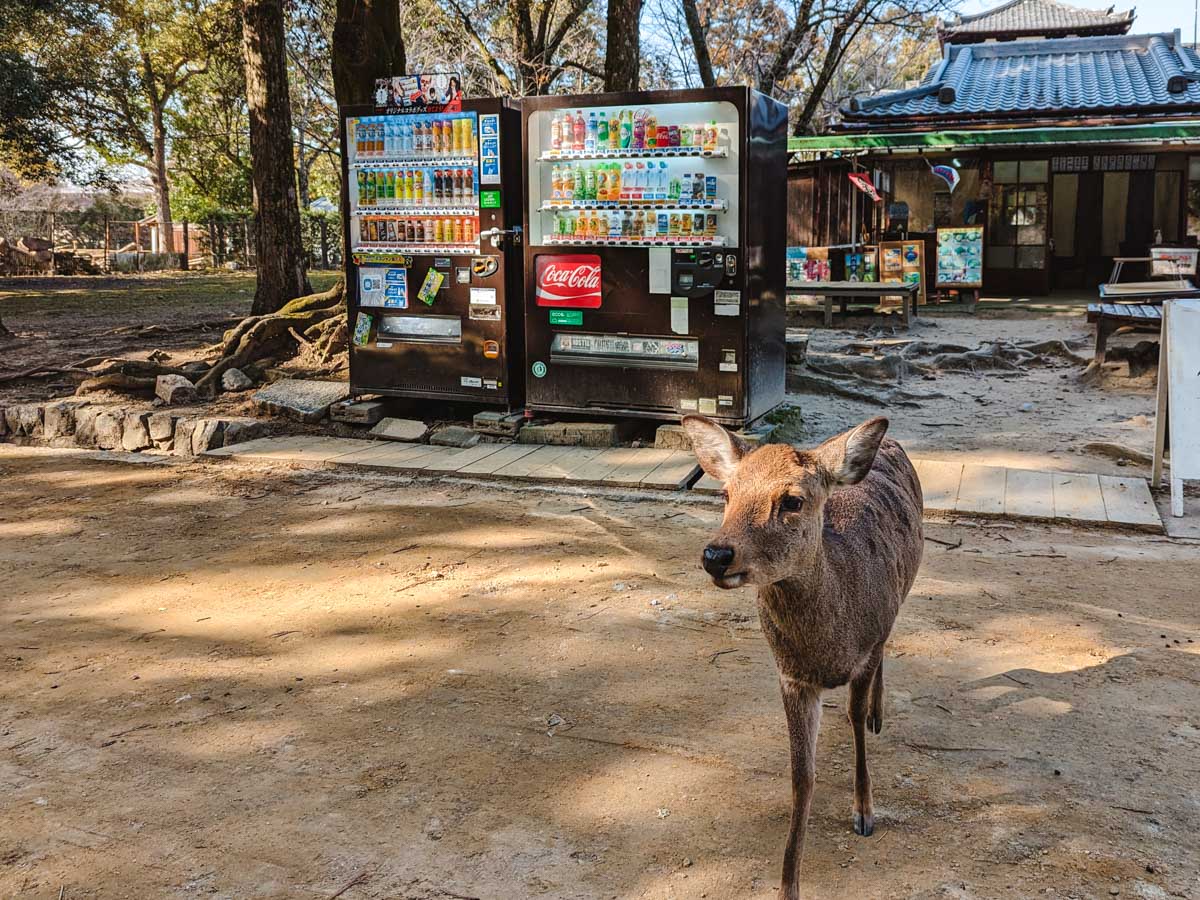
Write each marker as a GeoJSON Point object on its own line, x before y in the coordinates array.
{"type": "Point", "coordinates": [682, 240]}
{"type": "Point", "coordinates": [633, 153]}
{"type": "Point", "coordinates": [620, 205]}
{"type": "Point", "coordinates": [366, 251]}
{"type": "Point", "coordinates": [415, 212]}
{"type": "Point", "coordinates": [440, 159]}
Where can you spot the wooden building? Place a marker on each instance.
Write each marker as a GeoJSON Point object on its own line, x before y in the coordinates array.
{"type": "Point", "coordinates": [1073, 141]}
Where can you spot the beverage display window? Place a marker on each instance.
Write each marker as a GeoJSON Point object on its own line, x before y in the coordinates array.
{"type": "Point", "coordinates": [414, 182]}
{"type": "Point", "coordinates": [616, 175]}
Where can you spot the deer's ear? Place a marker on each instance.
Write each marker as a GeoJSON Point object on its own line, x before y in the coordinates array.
{"type": "Point", "coordinates": [717, 450]}
{"type": "Point", "coordinates": [848, 457]}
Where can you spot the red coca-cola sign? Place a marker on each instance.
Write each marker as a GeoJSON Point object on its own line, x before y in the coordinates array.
{"type": "Point", "coordinates": [571, 280]}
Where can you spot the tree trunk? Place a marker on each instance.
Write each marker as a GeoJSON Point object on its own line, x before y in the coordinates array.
{"type": "Point", "coordinates": [699, 43]}
{"type": "Point", "coordinates": [622, 57]}
{"type": "Point", "coordinates": [162, 189]}
{"type": "Point", "coordinates": [367, 44]}
{"type": "Point", "coordinates": [279, 250]}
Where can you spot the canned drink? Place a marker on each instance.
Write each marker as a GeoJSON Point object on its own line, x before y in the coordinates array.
{"type": "Point", "coordinates": [428, 232]}
{"type": "Point", "coordinates": [710, 225]}
{"type": "Point", "coordinates": [710, 187]}
{"type": "Point", "coordinates": [458, 231]}
{"type": "Point", "coordinates": [673, 136]}
{"type": "Point", "coordinates": [447, 231]}
{"type": "Point", "coordinates": [674, 225]}
{"type": "Point", "coordinates": [468, 228]}
{"type": "Point", "coordinates": [664, 225]}
{"type": "Point", "coordinates": [685, 224]}
{"type": "Point", "coordinates": [698, 223]}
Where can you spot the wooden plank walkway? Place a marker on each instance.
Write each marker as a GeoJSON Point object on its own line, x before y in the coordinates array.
{"type": "Point", "coordinates": [947, 487]}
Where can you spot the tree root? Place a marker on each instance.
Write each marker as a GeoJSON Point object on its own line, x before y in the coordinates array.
{"type": "Point", "coordinates": [801, 381]}
{"type": "Point", "coordinates": [276, 334]}
{"type": "Point", "coordinates": [116, 381]}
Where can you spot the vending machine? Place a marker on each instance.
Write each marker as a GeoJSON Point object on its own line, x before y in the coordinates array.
{"type": "Point", "coordinates": [655, 253]}
{"type": "Point", "coordinates": [431, 224]}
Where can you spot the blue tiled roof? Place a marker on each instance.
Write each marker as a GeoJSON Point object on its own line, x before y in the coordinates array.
{"type": "Point", "coordinates": [1048, 18]}
{"type": "Point", "coordinates": [1046, 79]}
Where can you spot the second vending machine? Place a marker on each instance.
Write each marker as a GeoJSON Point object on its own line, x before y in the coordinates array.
{"type": "Point", "coordinates": [654, 259]}
{"type": "Point", "coordinates": [433, 239]}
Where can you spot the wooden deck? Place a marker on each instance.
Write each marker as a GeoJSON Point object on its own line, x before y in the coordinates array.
{"type": "Point", "coordinates": [948, 487]}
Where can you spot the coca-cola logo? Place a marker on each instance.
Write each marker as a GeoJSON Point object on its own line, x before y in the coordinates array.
{"type": "Point", "coordinates": [571, 280]}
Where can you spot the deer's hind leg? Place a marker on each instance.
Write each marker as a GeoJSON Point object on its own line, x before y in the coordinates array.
{"type": "Point", "coordinates": [865, 688]}
{"type": "Point", "coordinates": [875, 711]}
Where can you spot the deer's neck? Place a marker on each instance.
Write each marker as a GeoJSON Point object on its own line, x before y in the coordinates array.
{"type": "Point", "coordinates": [809, 584]}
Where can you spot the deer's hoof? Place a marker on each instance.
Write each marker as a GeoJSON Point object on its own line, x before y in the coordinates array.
{"type": "Point", "coordinates": [875, 723]}
{"type": "Point", "coordinates": [864, 824]}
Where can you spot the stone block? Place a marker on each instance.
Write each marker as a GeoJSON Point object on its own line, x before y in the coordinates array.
{"type": "Point", "coordinates": [135, 435]}
{"type": "Point", "coordinates": [672, 437]}
{"type": "Point", "coordinates": [409, 430]}
{"type": "Point", "coordinates": [3, 423]}
{"type": "Point", "coordinates": [24, 419]}
{"type": "Point", "coordinates": [58, 419]}
{"type": "Point", "coordinates": [357, 412]}
{"type": "Point", "coordinates": [307, 401]}
{"type": "Point", "coordinates": [174, 389]}
{"type": "Point", "coordinates": [501, 424]}
{"type": "Point", "coordinates": [109, 427]}
{"type": "Point", "coordinates": [161, 428]}
{"type": "Point", "coordinates": [235, 380]}
{"type": "Point", "coordinates": [797, 347]}
{"type": "Point", "coordinates": [85, 425]}
{"type": "Point", "coordinates": [238, 431]}
{"type": "Point", "coordinates": [576, 434]}
{"type": "Point", "coordinates": [455, 436]}
{"type": "Point", "coordinates": [208, 434]}
{"type": "Point", "coordinates": [182, 444]}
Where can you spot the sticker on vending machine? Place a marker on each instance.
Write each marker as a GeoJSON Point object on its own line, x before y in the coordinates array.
{"type": "Point", "coordinates": [362, 330]}
{"type": "Point", "coordinates": [430, 286]}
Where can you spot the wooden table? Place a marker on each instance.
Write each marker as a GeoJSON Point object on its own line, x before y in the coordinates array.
{"type": "Point", "coordinates": [1149, 291]}
{"type": "Point", "coordinates": [1111, 316]}
{"type": "Point", "coordinates": [845, 291]}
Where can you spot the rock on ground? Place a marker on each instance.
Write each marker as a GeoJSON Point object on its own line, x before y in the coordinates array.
{"type": "Point", "coordinates": [135, 435]}
{"type": "Point", "coordinates": [174, 389]}
{"type": "Point", "coordinates": [307, 401]}
{"type": "Point", "coordinates": [409, 430]}
{"type": "Point", "coordinates": [235, 380]}
{"type": "Point", "coordinates": [455, 436]}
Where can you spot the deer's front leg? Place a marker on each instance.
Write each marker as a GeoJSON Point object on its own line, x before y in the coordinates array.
{"type": "Point", "coordinates": [864, 704]}
{"type": "Point", "coordinates": [802, 704]}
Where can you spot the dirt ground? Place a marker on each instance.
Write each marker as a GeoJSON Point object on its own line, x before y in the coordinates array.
{"type": "Point", "coordinates": [61, 321]}
{"type": "Point", "coordinates": [222, 682]}
{"type": "Point", "coordinates": [1042, 419]}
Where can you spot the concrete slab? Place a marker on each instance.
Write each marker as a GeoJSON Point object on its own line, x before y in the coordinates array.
{"type": "Point", "coordinates": [528, 467]}
{"type": "Point", "coordinates": [1029, 494]}
{"type": "Point", "coordinates": [939, 482]}
{"type": "Point", "coordinates": [508, 453]}
{"type": "Point", "coordinates": [456, 459]}
{"type": "Point", "coordinates": [1127, 501]}
{"type": "Point", "coordinates": [597, 470]}
{"type": "Point", "coordinates": [674, 473]}
{"type": "Point", "coordinates": [307, 401]}
{"type": "Point", "coordinates": [406, 430]}
{"type": "Point", "coordinates": [631, 474]}
{"type": "Point", "coordinates": [1078, 498]}
{"type": "Point", "coordinates": [708, 485]}
{"type": "Point", "coordinates": [981, 491]}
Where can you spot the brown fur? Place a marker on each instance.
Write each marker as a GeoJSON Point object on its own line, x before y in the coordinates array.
{"type": "Point", "coordinates": [831, 576]}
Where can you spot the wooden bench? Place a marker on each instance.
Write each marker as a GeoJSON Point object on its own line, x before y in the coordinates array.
{"type": "Point", "coordinates": [1109, 317]}
{"type": "Point", "coordinates": [859, 291]}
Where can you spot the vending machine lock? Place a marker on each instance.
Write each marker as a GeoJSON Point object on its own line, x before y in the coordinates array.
{"type": "Point", "coordinates": [696, 272]}
{"type": "Point", "coordinates": [498, 235]}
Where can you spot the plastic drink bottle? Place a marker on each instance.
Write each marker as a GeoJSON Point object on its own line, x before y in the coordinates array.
{"type": "Point", "coordinates": [469, 186]}
{"type": "Point", "coordinates": [602, 133]}
{"type": "Point", "coordinates": [580, 131]}
{"type": "Point", "coordinates": [614, 131]}
{"type": "Point", "coordinates": [556, 132]}
{"type": "Point", "coordinates": [589, 183]}
{"type": "Point", "coordinates": [626, 129]}
{"type": "Point", "coordinates": [651, 131]}
{"type": "Point", "coordinates": [685, 187]}
{"type": "Point", "coordinates": [710, 136]}
{"type": "Point", "coordinates": [568, 180]}
{"type": "Point", "coordinates": [662, 192]}
{"type": "Point", "coordinates": [639, 134]}
{"type": "Point", "coordinates": [685, 135]}
{"type": "Point", "coordinates": [593, 129]}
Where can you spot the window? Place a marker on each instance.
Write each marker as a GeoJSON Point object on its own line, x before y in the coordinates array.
{"type": "Point", "coordinates": [1017, 237]}
{"type": "Point", "coordinates": [1193, 197]}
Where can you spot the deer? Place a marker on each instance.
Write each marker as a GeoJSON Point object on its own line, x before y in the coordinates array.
{"type": "Point", "coordinates": [832, 539]}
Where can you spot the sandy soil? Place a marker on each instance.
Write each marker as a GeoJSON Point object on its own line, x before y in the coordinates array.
{"type": "Point", "coordinates": [219, 682]}
{"type": "Point", "coordinates": [1040, 420]}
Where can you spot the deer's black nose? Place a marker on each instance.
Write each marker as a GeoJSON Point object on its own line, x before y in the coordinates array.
{"type": "Point", "coordinates": [717, 560]}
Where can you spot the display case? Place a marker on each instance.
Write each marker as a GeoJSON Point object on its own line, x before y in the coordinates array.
{"type": "Point", "coordinates": [430, 214]}
{"type": "Point", "coordinates": [651, 288]}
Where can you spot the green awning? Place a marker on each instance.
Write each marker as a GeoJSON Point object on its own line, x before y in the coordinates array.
{"type": "Point", "coordinates": [954, 140]}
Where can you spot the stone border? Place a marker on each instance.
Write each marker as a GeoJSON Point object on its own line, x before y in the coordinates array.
{"type": "Point", "coordinates": [88, 425]}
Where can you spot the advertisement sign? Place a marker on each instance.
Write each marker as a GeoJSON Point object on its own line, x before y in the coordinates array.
{"type": "Point", "coordinates": [861, 181]}
{"type": "Point", "coordinates": [960, 256]}
{"type": "Point", "coordinates": [383, 286]}
{"type": "Point", "coordinates": [570, 280]}
{"type": "Point", "coordinates": [431, 92]}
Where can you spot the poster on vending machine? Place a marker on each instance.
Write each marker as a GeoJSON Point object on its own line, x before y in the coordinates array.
{"type": "Point", "coordinates": [428, 92]}
{"type": "Point", "coordinates": [383, 286]}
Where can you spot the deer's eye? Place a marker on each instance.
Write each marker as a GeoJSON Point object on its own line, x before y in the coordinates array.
{"type": "Point", "coordinates": [791, 503]}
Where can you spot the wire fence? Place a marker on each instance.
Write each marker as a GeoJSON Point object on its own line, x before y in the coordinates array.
{"type": "Point", "coordinates": [46, 242]}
